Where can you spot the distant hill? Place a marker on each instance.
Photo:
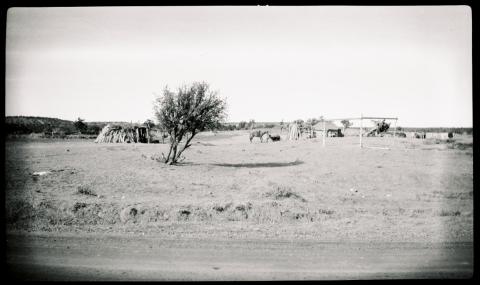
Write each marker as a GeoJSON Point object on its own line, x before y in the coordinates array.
{"type": "Point", "coordinates": [28, 125]}
{"type": "Point", "coordinates": [20, 125]}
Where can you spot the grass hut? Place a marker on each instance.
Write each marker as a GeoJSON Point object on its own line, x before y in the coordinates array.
{"type": "Point", "coordinates": [331, 129]}
{"type": "Point", "coordinates": [121, 134]}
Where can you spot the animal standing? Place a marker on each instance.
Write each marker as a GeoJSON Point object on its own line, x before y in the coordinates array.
{"type": "Point", "coordinates": [274, 138]}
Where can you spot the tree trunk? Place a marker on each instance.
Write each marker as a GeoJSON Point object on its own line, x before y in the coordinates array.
{"type": "Point", "coordinates": [174, 159]}
{"type": "Point", "coordinates": [169, 152]}
{"type": "Point", "coordinates": [187, 144]}
{"type": "Point", "coordinates": [172, 144]}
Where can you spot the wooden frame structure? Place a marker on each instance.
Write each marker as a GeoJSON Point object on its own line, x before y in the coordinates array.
{"type": "Point", "coordinates": [361, 118]}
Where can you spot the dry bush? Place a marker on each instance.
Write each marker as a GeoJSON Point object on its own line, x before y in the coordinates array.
{"type": "Point", "coordinates": [462, 146]}
{"type": "Point", "coordinates": [85, 190]}
{"type": "Point", "coordinates": [446, 213]}
{"type": "Point", "coordinates": [283, 193]}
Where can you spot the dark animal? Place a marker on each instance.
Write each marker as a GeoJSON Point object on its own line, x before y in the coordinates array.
{"type": "Point", "coordinates": [258, 134]}
{"type": "Point", "coordinates": [275, 138]}
{"type": "Point", "coordinates": [334, 133]}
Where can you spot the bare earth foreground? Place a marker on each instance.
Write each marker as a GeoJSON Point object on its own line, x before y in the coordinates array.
{"type": "Point", "coordinates": [239, 211]}
{"type": "Point", "coordinates": [103, 258]}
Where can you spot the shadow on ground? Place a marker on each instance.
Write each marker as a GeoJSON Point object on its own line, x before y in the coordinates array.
{"type": "Point", "coordinates": [260, 164]}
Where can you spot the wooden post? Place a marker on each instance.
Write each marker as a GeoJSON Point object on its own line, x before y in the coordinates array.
{"type": "Point", "coordinates": [148, 137]}
{"type": "Point", "coordinates": [324, 133]}
{"type": "Point", "coordinates": [394, 131]}
{"type": "Point", "coordinates": [361, 129]}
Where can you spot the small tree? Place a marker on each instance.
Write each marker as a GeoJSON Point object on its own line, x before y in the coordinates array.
{"type": "Point", "coordinates": [93, 129]}
{"type": "Point", "coordinates": [312, 121]}
{"type": "Point", "coordinates": [80, 125]}
{"type": "Point", "coordinates": [299, 122]}
{"type": "Point", "coordinates": [184, 114]}
{"type": "Point", "coordinates": [242, 125]}
{"type": "Point", "coordinates": [251, 124]}
{"type": "Point", "coordinates": [149, 124]}
{"type": "Point", "coordinates": [346, 124]}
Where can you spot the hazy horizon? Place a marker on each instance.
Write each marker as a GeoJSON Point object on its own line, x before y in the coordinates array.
{"type": "Point", "coordinates": [270, 63]}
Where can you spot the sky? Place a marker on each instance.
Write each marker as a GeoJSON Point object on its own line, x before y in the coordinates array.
{"type": "Point", "coordinates": [269, 63]}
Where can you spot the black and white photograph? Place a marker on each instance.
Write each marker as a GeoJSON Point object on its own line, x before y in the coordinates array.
{"type": "Point", "coordinates": [239, 143]}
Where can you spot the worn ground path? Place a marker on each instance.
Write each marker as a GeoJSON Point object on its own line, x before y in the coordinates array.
{"type": "Point", "coordinates": [102, 257]}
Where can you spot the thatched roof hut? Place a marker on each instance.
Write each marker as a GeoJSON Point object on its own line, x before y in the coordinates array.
{"type": "Point", "coordinates": [328, 126]}
{"type": "Point", "coordinates": [120, 134]}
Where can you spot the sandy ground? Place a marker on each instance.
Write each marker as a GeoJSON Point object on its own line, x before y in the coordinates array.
{"type": "Point", "coordinates": [228, 187]}
{"type": "Point", "coordinates": [130, 258]}
{"type": "Point", "coordinates": [235, 210]}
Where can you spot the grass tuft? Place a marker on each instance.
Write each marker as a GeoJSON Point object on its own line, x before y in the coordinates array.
{"type": "Point", "coordinates": [445, 213]}
{"type": "Point", "coordinates": [284, 193]}
{"type": "Point", "coordinates": [85, 190]}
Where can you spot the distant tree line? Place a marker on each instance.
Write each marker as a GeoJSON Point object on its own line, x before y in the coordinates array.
{"type": "Point", "coordinates": [24, 125]}
{"type": "Point", "coordinates": [243, 125]}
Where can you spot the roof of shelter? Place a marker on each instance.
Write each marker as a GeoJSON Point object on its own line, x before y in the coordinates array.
{"type": "Point", "coordinates": [328, 125]}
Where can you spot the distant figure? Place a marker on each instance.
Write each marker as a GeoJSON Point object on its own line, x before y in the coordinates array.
{"type": "Point", "coordinates": [258, 134]}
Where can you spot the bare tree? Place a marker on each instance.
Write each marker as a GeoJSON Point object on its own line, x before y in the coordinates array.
{"type": "Point", "coordinates": [194, 108]}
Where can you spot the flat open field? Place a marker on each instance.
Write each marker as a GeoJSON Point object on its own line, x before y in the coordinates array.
{"type": "Point", "coordinates": [228, 187]}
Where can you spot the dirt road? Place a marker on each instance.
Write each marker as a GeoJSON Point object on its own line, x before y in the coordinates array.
{"type": "Point", "coordinates": [97, 257]}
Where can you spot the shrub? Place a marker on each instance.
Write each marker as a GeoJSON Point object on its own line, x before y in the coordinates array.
{"type": "Point", "coordinates": [85, 190]}
{"type": "Point", "coordinates": [80, 125]}
{"type": "Point", "coordinates": [242, 125]}
{"type": "Point", "coordinates": [187, 112]}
